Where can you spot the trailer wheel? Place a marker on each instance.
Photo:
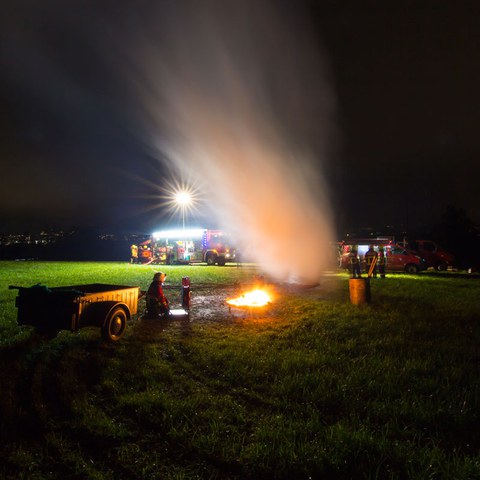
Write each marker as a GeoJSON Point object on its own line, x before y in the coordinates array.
{"type": "Point", "coordinates": [114, 325]}
{"type": "Point", "coordinates": [411, 268]}
{"type": "Point", "coordinates": [442, 267]}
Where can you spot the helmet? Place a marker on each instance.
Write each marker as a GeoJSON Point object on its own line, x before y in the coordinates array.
{"type": "Point", "coordinates": [158, 276]}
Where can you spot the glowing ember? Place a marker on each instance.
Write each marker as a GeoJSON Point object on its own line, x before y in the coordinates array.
{"type": "Point", "coordinates": [255, 298]}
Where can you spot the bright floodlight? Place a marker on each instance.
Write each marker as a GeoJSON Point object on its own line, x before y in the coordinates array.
{"type": "Point", "coordinates": [183, 198]}
{"type": "Point", "coordinates": [180, 198]}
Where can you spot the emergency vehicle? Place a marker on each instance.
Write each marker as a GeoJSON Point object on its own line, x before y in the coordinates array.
{"type": "Point", "coordinates": [434, 255]}
{"type": "Point", "coordinates": [399, 259]}
{"type": "Point", "coordinates": [176, 247]}
{"type": "Point", "coordinates": [145, 253]}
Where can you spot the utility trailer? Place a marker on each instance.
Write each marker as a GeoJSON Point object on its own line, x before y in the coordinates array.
{"type": "Point", "coordinates": [73, 307]}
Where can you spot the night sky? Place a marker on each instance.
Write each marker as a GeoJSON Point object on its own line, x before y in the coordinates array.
{"type": "Point", "coordinates": [401, 80]}
{"type": "Point", "coordinates": [406, 76]}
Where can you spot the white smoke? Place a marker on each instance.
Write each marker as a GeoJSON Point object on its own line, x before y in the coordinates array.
{"type": "Point", "coordinates": [236, 92]}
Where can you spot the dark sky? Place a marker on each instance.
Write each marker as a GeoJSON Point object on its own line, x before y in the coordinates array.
{"type": "Point", "coordinates": [404, 78]}
{"type": "Point", "coordinates": [407, 76]}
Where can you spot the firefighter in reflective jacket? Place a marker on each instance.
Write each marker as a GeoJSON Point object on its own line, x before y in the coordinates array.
{"type": "Point", "coordinates": [354, 262]}
{"type": "Point", "coordinates": [371, 258]}
{"type": "Point", "coordinates": [134, 254]}
{"type": "Point", "coordinates": [382, 261]}
{"type": "Point", "coordinates": [157, 303]}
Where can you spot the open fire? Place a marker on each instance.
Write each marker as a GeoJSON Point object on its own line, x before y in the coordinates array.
{"type": "Point", "coordinates": [255, 298]}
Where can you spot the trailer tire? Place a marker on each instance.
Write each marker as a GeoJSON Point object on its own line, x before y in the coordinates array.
{"type": "Point", "coordinates": [442, 267]}
{"type": "Point", "coordinates": [115, 324]}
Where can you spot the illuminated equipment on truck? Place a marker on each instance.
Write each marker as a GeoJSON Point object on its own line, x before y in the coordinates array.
{"type": "Point", "coordinates": [192, 246]}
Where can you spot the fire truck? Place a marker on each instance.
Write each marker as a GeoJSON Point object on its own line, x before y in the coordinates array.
{"type": "Point", "coordinates": [186, 246]}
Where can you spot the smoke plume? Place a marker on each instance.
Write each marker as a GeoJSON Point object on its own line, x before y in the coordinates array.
{"type": "Point", "coordinates": [236, 92]}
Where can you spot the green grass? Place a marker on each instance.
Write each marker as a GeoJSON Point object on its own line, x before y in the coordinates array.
{"type": "Point", "coordinates": [312, 388]}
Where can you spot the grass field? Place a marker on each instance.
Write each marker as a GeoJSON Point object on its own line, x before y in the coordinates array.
{"type": "Point", "coordinates": [313, 387]}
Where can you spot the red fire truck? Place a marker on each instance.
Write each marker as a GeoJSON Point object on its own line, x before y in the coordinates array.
{"type": "Point", "coordinates": [185, 246]}
{"type": "Point", "coordinates": [145, 252]}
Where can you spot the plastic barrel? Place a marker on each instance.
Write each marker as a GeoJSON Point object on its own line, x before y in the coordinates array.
{"type": "Point", "coordinates": [359, 290]}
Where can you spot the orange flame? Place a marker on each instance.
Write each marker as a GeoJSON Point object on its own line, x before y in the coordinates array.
{"type": "Point", "coordinates": [255, 298]}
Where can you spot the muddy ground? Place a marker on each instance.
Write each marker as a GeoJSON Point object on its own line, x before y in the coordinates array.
{"type": "Point", "coordinates": [208, 301]}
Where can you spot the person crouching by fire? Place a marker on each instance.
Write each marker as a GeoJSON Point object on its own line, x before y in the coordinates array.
{"type": "Point", "coordinates": [157, 302]}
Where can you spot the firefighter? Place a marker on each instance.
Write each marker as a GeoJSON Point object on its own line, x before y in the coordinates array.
{"type": "Point", "coordinates": [371, 257]}
{"type": "Point", "coordinates": [157, 302]}
{"type": "Point", "coordinates": [354, 261]}
{"type": "Point", "coordinates": [382, 261]}
{"type": "Point", "coordinates": [133, 253]}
